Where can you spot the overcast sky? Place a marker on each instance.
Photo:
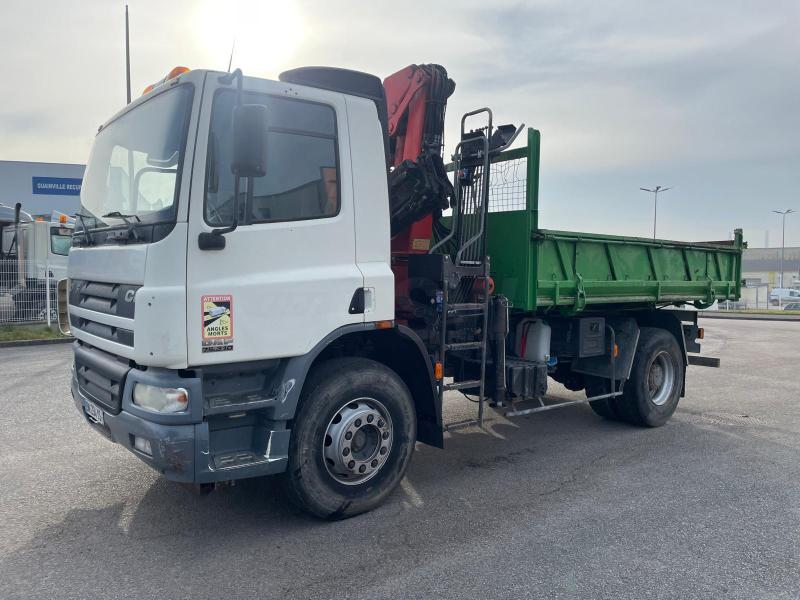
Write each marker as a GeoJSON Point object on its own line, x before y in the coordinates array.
{"type": "Point", "coordinates": [702, 96]}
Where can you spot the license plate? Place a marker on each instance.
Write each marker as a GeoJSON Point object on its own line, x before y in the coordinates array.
{"type": "Point", "coordinates": [94, 412]}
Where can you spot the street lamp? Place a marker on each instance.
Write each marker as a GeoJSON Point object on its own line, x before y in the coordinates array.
{"type": "Point", "coordinates": [783, 214]}
{"type": "Point", "coordinates": [655, 191]}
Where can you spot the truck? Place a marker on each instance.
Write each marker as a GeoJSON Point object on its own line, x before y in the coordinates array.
{"type": "Point", "coordinates": [285, 278]}
{"type": "Point", "coordinates": [33, 258]}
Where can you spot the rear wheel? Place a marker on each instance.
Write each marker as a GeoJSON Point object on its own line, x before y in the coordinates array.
{"type": "Point", "coordinates": [352, 439]}
{"type": "Point", "coordinates": [606, 407]}
{"type": "Point", "coordinates": [652, 393]}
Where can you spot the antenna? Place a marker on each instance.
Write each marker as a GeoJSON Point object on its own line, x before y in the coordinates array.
{"type": "Point", "coordinates": [127, 56]}
{"type": "Point", "coordinates": [230, 60]}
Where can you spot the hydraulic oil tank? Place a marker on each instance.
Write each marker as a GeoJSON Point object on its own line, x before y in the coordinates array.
{"type": "Point", "coordinates": [532, 340]}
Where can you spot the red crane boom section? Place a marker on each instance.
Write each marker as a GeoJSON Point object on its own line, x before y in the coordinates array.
{"type": "Point", "coordinates": [407, 94]}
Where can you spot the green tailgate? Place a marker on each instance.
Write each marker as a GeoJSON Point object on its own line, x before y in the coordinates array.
{"type": "Point", "coordinates": [539, 269]}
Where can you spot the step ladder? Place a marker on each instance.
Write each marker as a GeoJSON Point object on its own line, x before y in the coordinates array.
{"type": "Point", "coordinates": [469, 264]}
{"type": "Point", "coordinates": [464, 247]}
{"type": "Point", "coordinates": [479, 345]}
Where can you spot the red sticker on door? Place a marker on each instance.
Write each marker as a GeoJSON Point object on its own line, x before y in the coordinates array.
{"type": "Point", "coordinates": [217, 323]}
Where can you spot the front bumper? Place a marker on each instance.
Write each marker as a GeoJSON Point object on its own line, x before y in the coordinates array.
{"type": "Point", "coordinates": [192, 452]}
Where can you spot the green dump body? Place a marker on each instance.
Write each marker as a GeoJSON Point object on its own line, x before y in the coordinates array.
{"type": "Point", "coordinates": [544, 270]}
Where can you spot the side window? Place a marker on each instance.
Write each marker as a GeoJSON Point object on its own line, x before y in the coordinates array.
{"type": "Point", "coordinates": [302, 164]}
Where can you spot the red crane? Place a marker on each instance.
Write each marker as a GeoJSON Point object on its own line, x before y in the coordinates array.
{"type": "Point", "coordinates": [419, 189]}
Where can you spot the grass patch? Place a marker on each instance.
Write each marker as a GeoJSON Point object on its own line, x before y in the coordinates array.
{"type": "Point", "coordinates": [16, 333]}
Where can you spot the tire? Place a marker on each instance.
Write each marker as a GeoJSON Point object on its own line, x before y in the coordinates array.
{"type": "Point", "coordinates": [652, 392]}
{"type": "Point", "coordinates": [607, 407]}
{"type": "Point", "coordinates": [365, 400]}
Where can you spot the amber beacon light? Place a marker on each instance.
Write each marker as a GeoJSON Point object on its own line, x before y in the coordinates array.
{"type": "Point", "coordinates": [171, 75]}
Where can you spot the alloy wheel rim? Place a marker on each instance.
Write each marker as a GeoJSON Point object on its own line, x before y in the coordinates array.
{"type": "Point", "coordinates": [357, 441]}
{"type": "Point", "coordinates": [661, 378]}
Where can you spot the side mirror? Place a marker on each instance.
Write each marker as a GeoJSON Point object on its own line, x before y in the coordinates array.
{"type": "Point", "coordinates": [249, 140]}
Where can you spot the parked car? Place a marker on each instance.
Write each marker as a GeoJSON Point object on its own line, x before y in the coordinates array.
{"type": "Point", "coordinates": [792, 306]}
{"type": "Point", "coordinates": [780, 295]}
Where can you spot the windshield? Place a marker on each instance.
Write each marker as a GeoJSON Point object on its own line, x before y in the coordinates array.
{"type": "Point", "coordinates": [60, 240]}
{"type": "Point", "coordinates": [135, 164]}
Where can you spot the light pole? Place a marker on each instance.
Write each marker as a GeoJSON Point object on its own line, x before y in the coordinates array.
{"type": "Point", "coordinates": [783, 214]}
{"type": "Point", "coordinates": [655, 191]}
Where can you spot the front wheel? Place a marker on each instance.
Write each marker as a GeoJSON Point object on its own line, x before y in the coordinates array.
{"type": "Point", "coordinates": [352, 439]}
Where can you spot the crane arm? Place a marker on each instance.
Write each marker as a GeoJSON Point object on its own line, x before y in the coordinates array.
{"type": "Point", "coordinates": [416, 98]}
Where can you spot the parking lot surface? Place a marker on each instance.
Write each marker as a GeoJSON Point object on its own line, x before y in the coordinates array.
{"type": "Point", "coordinates": [559, 505]}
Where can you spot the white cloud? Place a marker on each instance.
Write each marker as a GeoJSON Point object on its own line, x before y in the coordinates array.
{"type": "Point", "coordinates": [626, 93]}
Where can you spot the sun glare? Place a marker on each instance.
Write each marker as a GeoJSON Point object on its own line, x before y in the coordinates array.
{"type": "Point", "coordinates": [267, 34]}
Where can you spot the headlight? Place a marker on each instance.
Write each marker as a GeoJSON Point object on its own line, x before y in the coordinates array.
{"type": "Point", "coordinates": [161, 400]}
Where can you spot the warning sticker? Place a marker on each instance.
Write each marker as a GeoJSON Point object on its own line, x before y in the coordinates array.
{"type": "Point", "coordinates": [217, 323]}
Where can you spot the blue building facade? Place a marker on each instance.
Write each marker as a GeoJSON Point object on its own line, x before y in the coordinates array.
{"type": "Point", "coordinates": [41, 187]}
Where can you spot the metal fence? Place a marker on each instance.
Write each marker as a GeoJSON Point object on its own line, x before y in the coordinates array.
{"type": "Point", "coordinates": [27, 292]}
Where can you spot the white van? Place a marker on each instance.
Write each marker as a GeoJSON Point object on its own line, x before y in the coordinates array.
{"type": "Point", "coordinates": [782, 295]}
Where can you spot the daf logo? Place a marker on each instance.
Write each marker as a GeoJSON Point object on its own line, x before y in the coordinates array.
{"type": "Point", "coordinates": [129, 295]}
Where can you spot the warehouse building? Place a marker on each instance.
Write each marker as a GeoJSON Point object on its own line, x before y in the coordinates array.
{"type": "Point", "coordinates": [41, 187]}
{"type": "Point", "coordinates": [761, 271]}
{"type": "Point", "coordinates": [763, 266]}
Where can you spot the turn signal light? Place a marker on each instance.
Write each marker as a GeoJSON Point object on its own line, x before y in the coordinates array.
{"type": "Point", "coordinates": [701, 333]}
{"type": "Point", "coordinates": [616, 351]}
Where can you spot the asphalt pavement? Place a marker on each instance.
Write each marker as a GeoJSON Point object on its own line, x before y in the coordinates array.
{"type": "Point", "coordinates": [556, 505]}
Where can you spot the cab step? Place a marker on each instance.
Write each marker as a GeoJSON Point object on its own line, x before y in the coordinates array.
{"type": "Point", "coordinates": [238, 458]}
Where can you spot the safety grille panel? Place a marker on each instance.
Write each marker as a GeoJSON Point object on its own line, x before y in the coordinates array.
{"type": "Point", "coordinates": [508, 185]}
{"type": "Point", "coordinates": [101, 376]}
{"type": "Point", "coordinates": [108, 298]}
{"type": "Point", "coordinates": [107, 332]}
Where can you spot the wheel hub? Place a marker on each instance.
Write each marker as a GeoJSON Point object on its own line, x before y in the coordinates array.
{"type": "Point", "coordinates": [661, 378]}
{"type": "Point", "coordinates": [357, 441]}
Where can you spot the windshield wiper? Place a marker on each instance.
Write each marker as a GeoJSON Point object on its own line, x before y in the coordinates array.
{"type": "Point", "coordinates": [86, 234]}
{"type": "Point", "coordinates": [131, 227]}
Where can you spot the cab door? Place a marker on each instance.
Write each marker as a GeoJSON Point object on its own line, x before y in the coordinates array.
{"type": "Point", "coordinates": [287, 275]}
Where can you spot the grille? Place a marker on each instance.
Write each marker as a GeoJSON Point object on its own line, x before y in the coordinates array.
{"type": "Point", "coordinates": [101, 376]}
{"type": "Point", "coordinates": [108, 298]}
{"type": "Point", "coordinates": [107, 332]}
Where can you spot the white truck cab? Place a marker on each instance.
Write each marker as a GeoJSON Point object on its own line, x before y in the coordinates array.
{"type": "Point", "coordinates": [315, 231]}
{"type": "Point", "coordinates": [193, 355]}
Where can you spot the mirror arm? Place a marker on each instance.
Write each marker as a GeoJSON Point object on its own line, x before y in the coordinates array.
{"type": "Point", "coordinates": [235, 221]}
{"type": "Point", "coordinates": [215, 240]}
{"type": "Point", "coordinates": [227, 79]}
